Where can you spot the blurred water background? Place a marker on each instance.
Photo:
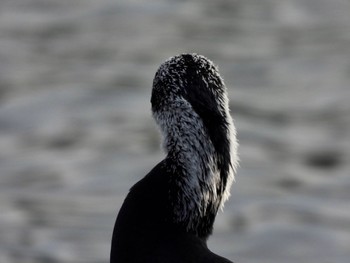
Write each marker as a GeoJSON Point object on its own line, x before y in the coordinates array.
{"type": "Point", "coordinates": [76, 129]}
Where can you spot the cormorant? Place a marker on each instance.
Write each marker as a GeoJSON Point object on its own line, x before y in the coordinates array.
{"type": "Point", "coordinates": [168, 215]}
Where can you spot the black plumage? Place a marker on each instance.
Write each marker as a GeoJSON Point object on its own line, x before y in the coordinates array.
{"type": "Point", "coordinates": [169, 214]}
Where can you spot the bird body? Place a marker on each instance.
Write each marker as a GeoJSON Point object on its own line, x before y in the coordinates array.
{"type": "Point", "coordinates": [169, 214]}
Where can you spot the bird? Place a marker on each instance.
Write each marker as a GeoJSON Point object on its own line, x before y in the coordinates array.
{"type": "Point", "coordinates": [169, 214]}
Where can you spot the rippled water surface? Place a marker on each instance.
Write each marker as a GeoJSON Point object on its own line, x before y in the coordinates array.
{"type": "Point", "coordinates": [76, 130]}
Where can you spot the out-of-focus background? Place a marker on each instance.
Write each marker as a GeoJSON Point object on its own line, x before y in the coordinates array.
{"type": "Point", "coordinates": [76, 129]}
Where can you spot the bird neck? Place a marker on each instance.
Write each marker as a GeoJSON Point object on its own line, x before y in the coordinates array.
{"type": "Point", "coordinates": [195, 182]}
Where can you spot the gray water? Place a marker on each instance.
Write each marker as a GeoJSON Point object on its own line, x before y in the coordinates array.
{"type": "Point", "coordinates": [76, 130]}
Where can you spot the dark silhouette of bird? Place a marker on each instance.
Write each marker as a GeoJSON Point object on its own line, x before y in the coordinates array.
{"type": "Point", "coordinates": [168, 215]}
